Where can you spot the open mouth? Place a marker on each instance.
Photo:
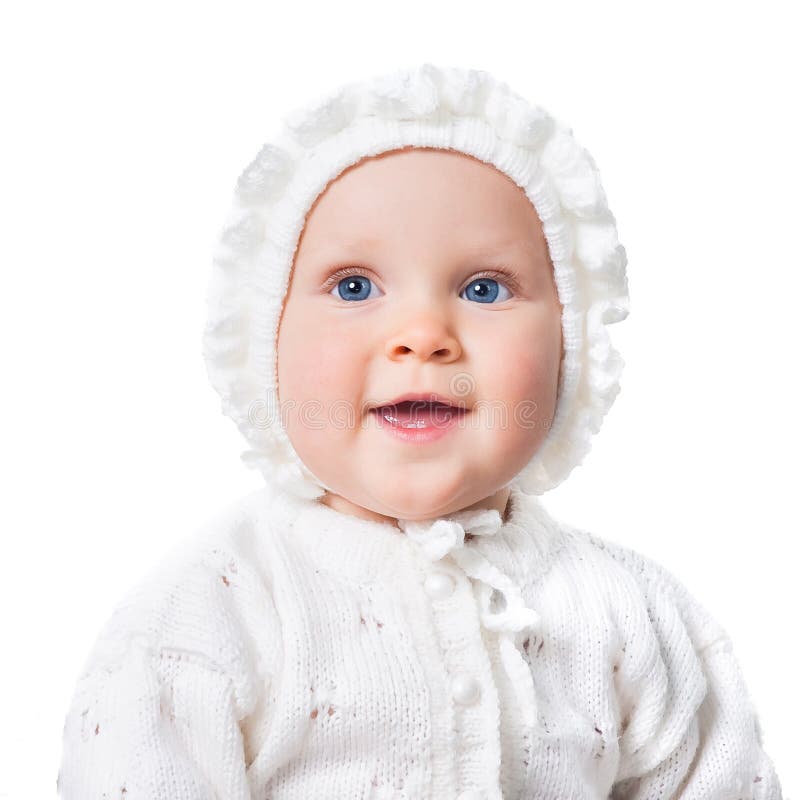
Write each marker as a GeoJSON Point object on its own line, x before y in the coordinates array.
{"type": "Point", "coordinates": [419, 414]}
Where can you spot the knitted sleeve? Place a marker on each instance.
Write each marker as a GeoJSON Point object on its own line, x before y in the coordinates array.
{"type": "Point", "coordinates": [163, 699]}
{"type": "Point", "coordinates": [155, 725]}
{"type": "Point", "coordinates": [689, 730]}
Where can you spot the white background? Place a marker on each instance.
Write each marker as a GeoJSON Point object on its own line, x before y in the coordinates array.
{"type": "Point", "coordinates": [125, 130]}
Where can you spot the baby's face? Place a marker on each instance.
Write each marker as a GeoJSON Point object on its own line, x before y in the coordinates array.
{"type": "Point", "coordinates": [402, 283]}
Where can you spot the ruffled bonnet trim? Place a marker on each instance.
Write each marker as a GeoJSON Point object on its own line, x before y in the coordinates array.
{"type": "Point", "coordinates": [427, 106]}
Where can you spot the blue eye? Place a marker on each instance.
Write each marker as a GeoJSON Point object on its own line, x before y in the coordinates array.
{"type": "Point", "coordinates": [486, 290]}
{"type": "Point", "coordinates": [354, 287]}
{"type": "Point", "coordinates": [483, 289]}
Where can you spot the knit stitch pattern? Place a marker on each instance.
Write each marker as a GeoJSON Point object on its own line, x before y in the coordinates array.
{"type": "Point", "coordinates": [292, 651]}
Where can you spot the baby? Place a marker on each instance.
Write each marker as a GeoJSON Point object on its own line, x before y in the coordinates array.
{"type": "Point", "coordinates": [408, 318]}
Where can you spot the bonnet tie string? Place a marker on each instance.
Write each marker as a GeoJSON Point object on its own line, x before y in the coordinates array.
{"type": "Point", "coordinates": [441, 537]}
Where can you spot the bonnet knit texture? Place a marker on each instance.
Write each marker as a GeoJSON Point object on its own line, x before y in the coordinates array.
{"type": "Point", "coordinates": [428, 106]}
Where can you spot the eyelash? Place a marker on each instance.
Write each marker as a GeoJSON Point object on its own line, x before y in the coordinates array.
{"type": "Point", "coordinates": [509, 276]}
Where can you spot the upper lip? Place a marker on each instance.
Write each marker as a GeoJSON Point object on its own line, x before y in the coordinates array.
{"type": "Point", "coordinates": [425, 397]}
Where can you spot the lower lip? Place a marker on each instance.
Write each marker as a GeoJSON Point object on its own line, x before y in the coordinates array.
{"type": "Point", "coordinates": [425, 432]}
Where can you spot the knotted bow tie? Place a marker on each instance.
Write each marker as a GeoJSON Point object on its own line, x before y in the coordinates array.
{"type": "Point", "coordinates": [436, 539]}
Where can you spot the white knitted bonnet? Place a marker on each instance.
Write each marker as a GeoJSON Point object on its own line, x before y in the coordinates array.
{"type": "Point", "coordinates": [427, 106]}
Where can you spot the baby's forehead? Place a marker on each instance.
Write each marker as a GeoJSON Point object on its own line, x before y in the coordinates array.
{"type": "Point", "coordinates": [428, 195]}
{"type": "Point", "coordinates": [415, 169]}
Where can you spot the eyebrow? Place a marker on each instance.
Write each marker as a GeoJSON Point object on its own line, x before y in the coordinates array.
{"type": "Point", "coordinates": [485, 248]}
{"type": "Point", "coordinates": [344, 245]}
{"type": "Point", "coordinates": [490, 247]}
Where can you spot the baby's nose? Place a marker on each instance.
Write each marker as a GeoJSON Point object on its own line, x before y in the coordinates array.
{"type": "Point", "coordinates": [424, 339]}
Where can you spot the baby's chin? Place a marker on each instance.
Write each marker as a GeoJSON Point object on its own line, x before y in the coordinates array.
{"type": "Point", "coordinates": [423, 498]}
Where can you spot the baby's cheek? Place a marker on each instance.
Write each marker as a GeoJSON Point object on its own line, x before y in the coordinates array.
{"type": "Point", "coordinates": [329, 384]}
{"type": "Point", "coordinates": [527, 389]}
{"type": "Point", "coordinates": [526, 382]}
{"type": "Point", "coordinates": [336, 366]}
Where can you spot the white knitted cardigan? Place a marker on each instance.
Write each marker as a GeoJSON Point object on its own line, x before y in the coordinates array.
{"type": "Point", "coordinates": [297, 652]}
{"type": "Point", "coordinates": [461, 109]}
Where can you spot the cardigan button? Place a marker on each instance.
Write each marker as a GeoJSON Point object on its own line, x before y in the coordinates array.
{"type": "Point", "coordinates": [469, 794]}
{"type": "Point", "coordinates": [466, 689]}
{"type": "Point", "coordinates": [439, 586]}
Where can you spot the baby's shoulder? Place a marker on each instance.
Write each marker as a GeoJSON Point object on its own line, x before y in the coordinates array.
{"type": "Point", "coordinates": [635, 583]}
{"type": "Point", "coordinates": [208, 600]}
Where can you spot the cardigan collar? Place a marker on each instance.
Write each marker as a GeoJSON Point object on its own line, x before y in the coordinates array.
{"type": "Point", "coordinates": [521, 546]}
